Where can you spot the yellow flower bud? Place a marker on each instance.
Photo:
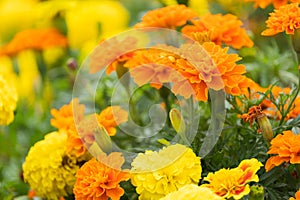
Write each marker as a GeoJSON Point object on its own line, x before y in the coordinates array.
{"type": "Point", "coordinates": [103, 140]}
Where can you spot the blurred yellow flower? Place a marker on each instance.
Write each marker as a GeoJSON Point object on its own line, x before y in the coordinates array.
{"type": "Point", "coordinates": [8, 101]}
{"type": "Point", "coordinates": [192, 192]}
{"type": "Point", "coordinates": [47, 168]}
{"type": "Point", "coordinates": [156, 174]}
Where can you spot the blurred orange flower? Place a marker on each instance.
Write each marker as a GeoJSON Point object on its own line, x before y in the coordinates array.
{"type": "Point", "coordinates": [277, 3]}
{"type": "Point", "coordinates": [111, 117]}
{"type": "Point", "coordinates": [37, 39]}
{"type": "Point", "coordinates": [167, 17]}
{"type": "Point", "coordinates": [111, 52]}
{"type": "Point", "coordinates": [64, 120]}
{"type": "Point", "coordinates": [98, 180]}
{"type": "Point", "coordinates": [284, 19]}
{"type": "Point", "coordinates": [225, 29]}
{"type": "Point", "coordinates": [285, 148]}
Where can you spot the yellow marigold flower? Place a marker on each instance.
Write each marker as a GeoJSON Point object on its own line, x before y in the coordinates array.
{"type": "Point", "coordinates": [284, 19]}
{"type": "Point", "coordinates": [167, 17]}
{"type": "Point", "coordinates": [37, 39]}
{"type": "Point", "coordinates": [285, 148]}
{"type": "Point", "coordinates": [297, 196]}
{"type": "Point", "coordinates": [192, 192]}
{"type": "Point", "coordinates": [156, 174]}
{"type": "Point", "coordinates": [225, 29]}
{"type": "Point", "coordinates": [49, 171]}
{"type": "Point", "coordinates": [100, 179]}
{"type": "Point", "coordinates": [229, 183]}
{"type": "Point", "coordinates": [8, 101]}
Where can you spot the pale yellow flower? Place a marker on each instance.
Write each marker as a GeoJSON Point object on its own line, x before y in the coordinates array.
{"type": "Point", "coordinates": [192, 192]}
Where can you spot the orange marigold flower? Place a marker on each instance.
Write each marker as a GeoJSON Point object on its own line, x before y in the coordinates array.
{"type": "Point", "coordinates": [253, 113]}
{"type": "Point", "coordinates": [37, 39]}
{"type": "Point", "coordinates": [284, 19]}
{"type": "Point", "coordinates": [64, 119]}
{"type": "Point", "coordinates": [98, 180]}
{"type": "Point", "coordinates": [264, 3]}
{"type": "Point", "coordinates": [167, 17]}
{"type": "Point", "coordinates": [225, 29]}
{"type": "Point", "coordinates": [297, 196]}
{"type": "Point", "coordinates": [285, 148]}
{"type": "Point", "coordinates": [154, 66]}
{"type": "Point", "coordinates": [109, 53]}
{"type": "Point", "coordinates": [111, 117]}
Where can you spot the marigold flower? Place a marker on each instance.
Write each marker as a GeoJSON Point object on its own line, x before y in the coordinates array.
{"type": "Point", "coordinates": [156, 174]}
{"type": "Point", "coordinates": [110, 53]}
{"type": "Point", "coordinates": [49, 171]}
{"type": "Point", "coordinates": [285, 148]}
{"type": "Point", "coordinates": [37, 39]}
{"type": "Point", "coordinates": [111, 117]}
{"type": "Point", "coordinates": [8, 101]}
{"type": "Point", "coordinates": [64, 120]}
{"type": "Point", "coordinates": [297, 196]}
{"type": "Point", "coordinates": [284, 19]}
{"type": "Point", "coordinates": [98, 180]}
{"type": "Point", "coordinates": [264, 3]}
{"type": "Point", "coordinates": [229, 183]}
{"type": "Point", "coordinates": [225, 29]}
{"type": "Point", "coordinates": [167, 17]}
{"type": "Point", "coordinates": [192, 192]}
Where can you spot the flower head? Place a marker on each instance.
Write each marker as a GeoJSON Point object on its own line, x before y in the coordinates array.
{"type": "Point", "coordinates": [285, 148]}
{"type": "Point", "coordinates": [297, 196]}
{"type": "Point", "coordinates": [156, 174]}
{"type": "Point", "coordinates": [100, 180]}
{"type": "Point", "coordinates": [8, 101]}
{"type": "Point", "coordinates": [264, 3]}
{"type": "Point", "coordinates": [225, 29]}
{"type": "Point", "coordinates": [167, 17]}
{"type": "Point", "coordinates": [37, 39]}
{"type": "Point", "coordinates": [49, 171]}
{"type": "Point", "coordinates": [284, 19]}
{"type": "Point", "coordinates": [192, 192]}
{"type": "Point", "coordinates": [229, 183]}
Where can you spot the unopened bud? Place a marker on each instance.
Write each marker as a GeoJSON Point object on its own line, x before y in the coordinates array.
{"type": "Point", "coordinates": [177, 120]}
{"type": "Point", "coordinates": [72, 64]}
{"type": "Point", "coordinates": [103, 139]}
{"type": "Point", "coordinates": [256, 192]}
{"type": "Point", "coordinates": [265, 126]}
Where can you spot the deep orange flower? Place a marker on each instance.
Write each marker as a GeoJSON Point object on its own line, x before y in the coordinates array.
{"type": "Point", "coordinates": [154, 66]}
{"type": "Point", "coordinates": [297, 195]}
{"type": "Point", "coordinates": [284, 19]}
{"type": "Point", "coordinates": [37, 39]}
{"type": "Point", "coordinates": [64, 120]}
{"type": "Point", "coordinates": [167, 17]}
{"type": "Point", "coordinates": [264, 3]}
{"type": "Point", "coordinates": [225, 29]}
{"type": "Point", "coordinates": [111, 117]}
{"type": "Point", "coordinates": [98, 180]}
{"type": "Point", "coordinates": [109, 53]}
{"type": "Point", "coordinates": [254, 113]}
{"type": "Point", "coordinates": [285, 148]}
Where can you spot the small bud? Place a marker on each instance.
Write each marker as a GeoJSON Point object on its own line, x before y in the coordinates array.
{"type": "Point", "coordinates": [177, 120]}
{"type": "Point", "coordinates": [265, 126]}
{"type": "Point", "coordinates": [256, 192]}
{"type": "Point", "coordinates": [72, 64]}
{"type": "Point", "coordinates": [103, 140]}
